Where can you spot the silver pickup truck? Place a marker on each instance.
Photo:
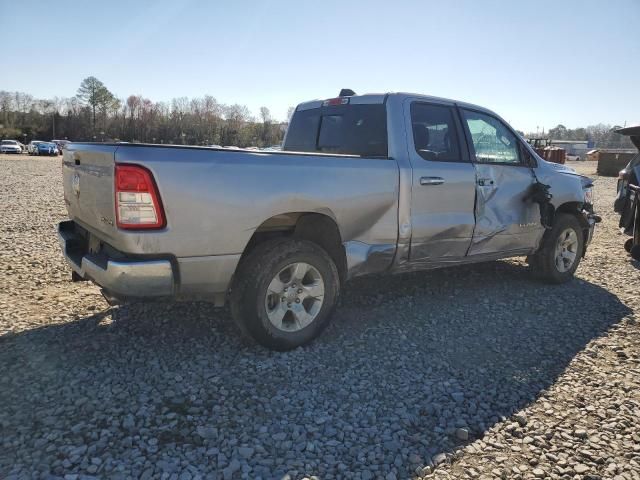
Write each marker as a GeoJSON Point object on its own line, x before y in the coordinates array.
{"type": "Point", "coordinates": [378, 183]}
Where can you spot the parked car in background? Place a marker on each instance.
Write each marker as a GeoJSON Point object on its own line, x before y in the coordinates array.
{"type": "Point", "coordinates": [45, 148]}
{"type": "Point", "coordinates": [10, 146]}
{"type": "Point", "coordinates": [61, 144]}
{"type": "Point", "coordinates": [32, 147]}
{"type": "Point", "coordinates": [573, 158]}
{"type": "Point", "coordinates": [366, 184]}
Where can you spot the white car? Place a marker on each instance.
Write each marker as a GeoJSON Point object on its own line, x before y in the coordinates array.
{"type": "Point", "coordinates": [10, 146]}
{"type": "Point", "coordinates": [573, 158]}
{"type": "Point", "coordinates": [32, 147]}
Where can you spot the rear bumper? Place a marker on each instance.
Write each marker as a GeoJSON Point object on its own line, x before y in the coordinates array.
{"type": "Point", "coordinates": [121, 277]}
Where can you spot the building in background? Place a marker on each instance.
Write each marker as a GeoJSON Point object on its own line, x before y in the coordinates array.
{"type": "Point", "coordinates": [573, 147]}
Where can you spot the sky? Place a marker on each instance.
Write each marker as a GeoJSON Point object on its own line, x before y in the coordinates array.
{"type": "Point", "coordinates": [537, 64]}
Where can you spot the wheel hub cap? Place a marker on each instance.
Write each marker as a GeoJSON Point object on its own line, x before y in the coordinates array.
{"type": "Point", "coordinates": [294, 297]}
{"type": "Point", "coordinates": [566, 250]}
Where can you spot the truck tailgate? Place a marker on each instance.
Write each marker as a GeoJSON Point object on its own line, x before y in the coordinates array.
{"type": "Point", "coordinates": [87, 172]}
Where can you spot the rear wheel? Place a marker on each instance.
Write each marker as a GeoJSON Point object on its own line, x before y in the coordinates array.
{"type": "Point", "coordinates": [285, 292]}
{"type": "Point", "coordinates": [561, 250]}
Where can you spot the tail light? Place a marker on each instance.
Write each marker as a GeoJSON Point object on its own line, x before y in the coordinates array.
{"type": "Point", "coordinates": [335, 101]}
{"type": "Point", "coordinates": [138, 204]}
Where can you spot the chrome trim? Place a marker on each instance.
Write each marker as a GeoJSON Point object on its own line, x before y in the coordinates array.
{"type": "Point", "coordinates": [431, 180]}
{"type": "Point", "coordinates": [135, 278]}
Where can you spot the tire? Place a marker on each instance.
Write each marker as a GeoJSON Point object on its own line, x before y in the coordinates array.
{"type": "Point", "coordinates": [545, 263]}
{"type": "Point", "coordinates": [628, 244]}
{"type": "Point", "coordinates": [272, 265]}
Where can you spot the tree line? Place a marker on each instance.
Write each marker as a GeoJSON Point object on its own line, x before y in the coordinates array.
{"type": "Point", "coordinates": [96, 114]}
{"type": "Point", "coordinates": [598, 136]}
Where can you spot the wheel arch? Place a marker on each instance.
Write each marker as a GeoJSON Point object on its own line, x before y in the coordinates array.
{"type": "Point", "coordinates": [320, 228]}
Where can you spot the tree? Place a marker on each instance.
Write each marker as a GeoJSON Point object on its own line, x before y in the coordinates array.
{"type": "Point", "coordinates": [196, 121]}
{"type": "Point", "coordinates": [558, 133]}
{"type": "Point", "coordinates": [94, 93]}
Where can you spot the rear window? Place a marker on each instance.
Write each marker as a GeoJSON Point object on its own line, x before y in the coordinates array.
{"type": "Point", "coordinates": [343, 129]}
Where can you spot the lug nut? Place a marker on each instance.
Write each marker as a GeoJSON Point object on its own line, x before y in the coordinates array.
{"type": "Point", "coordinates": [294, 285]}
{"type": "Point", "coordinates": [289, 305]}
{"type": "Point", "coordinates": [299, 290]}
{"type": "Point", "coordinates": [297, 300]}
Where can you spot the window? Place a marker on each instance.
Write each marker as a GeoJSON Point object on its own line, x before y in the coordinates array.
{"type": "Point", "coordinates": [303, 131]}
{"type": "Point", "coordinates": [434, 132]}
{"type": "Point", "coordinates": [492, 141]}
{"type": "Point", "coordinates": [344, 129]}
{"type": "Point", "coordinates": [331, 132]}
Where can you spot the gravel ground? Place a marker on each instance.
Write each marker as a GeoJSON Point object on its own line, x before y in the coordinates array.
{"type": "Point", "coordinates": [471, 372]}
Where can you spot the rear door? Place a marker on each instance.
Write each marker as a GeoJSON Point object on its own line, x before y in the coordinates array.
{"type": "Point", "coordinates": [443, 183]}
{"type": "Point", "coordinates": [504, 221]}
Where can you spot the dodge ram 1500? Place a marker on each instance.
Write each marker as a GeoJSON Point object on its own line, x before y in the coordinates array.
{"type": "Point", "coordinates": [376, 183]}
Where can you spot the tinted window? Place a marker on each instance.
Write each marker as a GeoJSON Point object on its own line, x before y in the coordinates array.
{"type": "Point", "coordinates": [331, 132]}
{"type": "Point", "coordinates": [344, 129]}
{"type": "Point", "coordinates": [302, 133]}
{"type": "Point", "coordinates": [434, 132]}
{"type": "Point", "coordinates": [492, 141]}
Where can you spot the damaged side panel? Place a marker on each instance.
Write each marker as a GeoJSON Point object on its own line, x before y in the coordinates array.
{"type": "Point", "coordinates": [363, 259]}
{"type": "Point", "coordinates": [505, 220]}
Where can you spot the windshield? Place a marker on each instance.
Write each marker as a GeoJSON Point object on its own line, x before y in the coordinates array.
{"type": "Point", "coordinates": [9, 142]}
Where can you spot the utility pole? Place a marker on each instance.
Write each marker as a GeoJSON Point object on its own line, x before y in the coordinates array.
{"type": "Point", "coordinates": [53, 128]}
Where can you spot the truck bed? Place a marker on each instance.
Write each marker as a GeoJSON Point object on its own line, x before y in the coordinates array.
{"type": "Point", "coordinates": [214, 200]}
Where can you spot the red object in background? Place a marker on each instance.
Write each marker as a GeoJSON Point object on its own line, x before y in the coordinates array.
{"type": "Point", "coordinates": [555, 155]}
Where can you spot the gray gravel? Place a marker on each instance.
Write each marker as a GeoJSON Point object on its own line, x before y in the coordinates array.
{"type": "Point", "coordinates": [471, 372]}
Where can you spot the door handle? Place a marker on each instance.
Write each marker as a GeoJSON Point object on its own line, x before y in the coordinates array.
{"type": "Point", "coordinates": [485, 182]}
{"type": "Point", "coordinates": [431, 180]}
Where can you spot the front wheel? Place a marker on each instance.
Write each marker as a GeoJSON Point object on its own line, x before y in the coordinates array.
{"type": "Point", "coordinates": [560, 252]}
{"type": "Point", "coordinates": [284, 293]}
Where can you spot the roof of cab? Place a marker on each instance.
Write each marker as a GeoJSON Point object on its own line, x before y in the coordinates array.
{"type": "Point", "coordinates": [373, 98]}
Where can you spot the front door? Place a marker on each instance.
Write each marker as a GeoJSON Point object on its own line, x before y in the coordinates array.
{"type": "Point", "coordinates": [443, 184]}
{"type": "Point", "coordinates": [505, 221]}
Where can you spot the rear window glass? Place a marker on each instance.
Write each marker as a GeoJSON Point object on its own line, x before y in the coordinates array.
{"type": "Point", "coordinates": [345, 129]}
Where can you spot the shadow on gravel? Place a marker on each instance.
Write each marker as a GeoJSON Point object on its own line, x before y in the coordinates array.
{"type": "Point", "coordinates": [407, 361]}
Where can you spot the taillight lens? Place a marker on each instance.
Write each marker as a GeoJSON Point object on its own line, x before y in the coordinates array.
{"type": "Point", "coordinates": [335, 101]}
{"type": "Point", "coordinates": [138, 204]}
